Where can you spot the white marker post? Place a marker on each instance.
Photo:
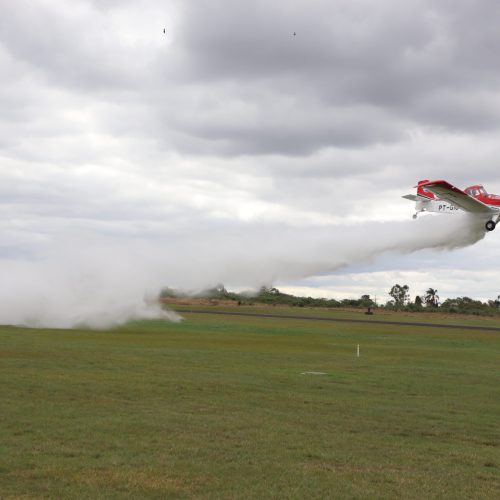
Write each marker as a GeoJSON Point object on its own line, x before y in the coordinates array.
{"type": "Point", "coordinates": [358, 351]}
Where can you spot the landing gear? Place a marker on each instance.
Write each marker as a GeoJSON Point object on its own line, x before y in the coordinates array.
{"type": "Point", "coordinates": [414, 216]}
{"type": "Point", "coordinates": [490, 225]}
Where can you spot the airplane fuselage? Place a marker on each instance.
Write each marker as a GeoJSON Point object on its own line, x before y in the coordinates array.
{"type": "Point", "coordinates": [442, 197]}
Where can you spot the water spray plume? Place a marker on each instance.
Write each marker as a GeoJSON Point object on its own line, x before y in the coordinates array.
{"type": "Point", "coordinates": [99, 282]}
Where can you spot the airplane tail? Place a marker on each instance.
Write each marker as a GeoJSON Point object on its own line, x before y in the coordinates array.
{"type": "Point", "coordinates": [421, 191]}
{"type": "Point", "coordinates": [425, 201]}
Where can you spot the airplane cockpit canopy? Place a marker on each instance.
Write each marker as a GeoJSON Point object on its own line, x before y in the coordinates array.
{"type": "Point", "coordinates": [476, 191]}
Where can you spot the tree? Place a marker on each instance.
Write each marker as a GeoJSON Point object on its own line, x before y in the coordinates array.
{"type": "Point", "coordinates": [464, 305]}
{"type": "Point", "coordinates": [168, 292]}
{"type": "Point", "coordinates": [366, 301]}
{"type": "Point", "coordinates": [431, 298]}
{"type": "Point", "coordinates": [399, 294]}
{"type": "Point", "coordinates": [418, 301]}
{"type": "Point", "coordinates": [220, 289]}
{"type": "Point", "coordinates": [217, 292]}
{"type": "Point", "coordinates": [497, 302]}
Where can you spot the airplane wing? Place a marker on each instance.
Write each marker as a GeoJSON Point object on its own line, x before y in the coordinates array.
{"type": "Point", "coordinates": [457, 197]}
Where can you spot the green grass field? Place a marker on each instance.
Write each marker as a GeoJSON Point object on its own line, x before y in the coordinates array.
{"type": "Point", "coordinates": [219, 407]}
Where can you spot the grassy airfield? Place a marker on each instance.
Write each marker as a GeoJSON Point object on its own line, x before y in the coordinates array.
{"type": "Point", "coordinates": [220, 407]}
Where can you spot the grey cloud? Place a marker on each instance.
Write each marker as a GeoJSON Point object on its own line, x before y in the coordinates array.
{"type": "Point", "coordinates": [290, 129]}
{"type": "Point", "coordinates": [254, 40]}
{"type": "Point", "coordinates": [235, 81]}
{"type": "Point", "coordinates": [407, 61]}
{"type": "Point", "coordinates": [464, 111]}
{"type": "Point", "coordinates": [69, 45]}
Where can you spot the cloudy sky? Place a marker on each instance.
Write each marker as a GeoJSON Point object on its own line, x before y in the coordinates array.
{"type": "Point", "coordinates": [229, 149]}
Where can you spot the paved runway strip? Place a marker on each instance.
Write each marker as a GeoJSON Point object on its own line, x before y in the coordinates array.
{"type": "Point", "coordinates": [343, 320]}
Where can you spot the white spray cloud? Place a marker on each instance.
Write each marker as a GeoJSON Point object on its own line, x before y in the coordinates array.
{"type": "Point", "coordinates": [80, 284]}
{"type": "Point", "coordinates": [98, 282]}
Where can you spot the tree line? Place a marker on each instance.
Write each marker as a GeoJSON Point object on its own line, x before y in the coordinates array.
{"type": "Point", "coordinates": [400, 300]}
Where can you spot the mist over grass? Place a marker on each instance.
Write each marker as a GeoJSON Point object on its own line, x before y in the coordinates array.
{"type": "Point", "coordinates": [98, 281]}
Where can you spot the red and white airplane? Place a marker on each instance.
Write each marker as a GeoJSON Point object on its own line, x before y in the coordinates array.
{"type": "Point", "coordinates": [442, 197]}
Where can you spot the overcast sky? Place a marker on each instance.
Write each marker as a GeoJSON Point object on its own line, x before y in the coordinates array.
{"type": "Point", "coordinates": [230, 126]}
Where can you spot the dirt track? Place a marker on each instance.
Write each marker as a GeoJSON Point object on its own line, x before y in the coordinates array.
{"type": "Point", "coordinates": [343, 320]}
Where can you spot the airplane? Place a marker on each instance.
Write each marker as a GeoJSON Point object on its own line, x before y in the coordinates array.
{"type": "Point", "coordinates": [442, 197]}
